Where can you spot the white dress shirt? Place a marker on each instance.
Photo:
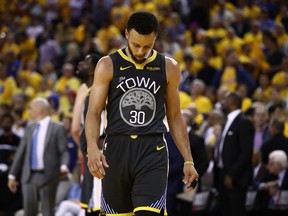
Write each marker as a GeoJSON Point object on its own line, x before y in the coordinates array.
{"type": "Point", "coordinates": [230, 119]}
{"type": "Point", "coordinates": [41, 142]}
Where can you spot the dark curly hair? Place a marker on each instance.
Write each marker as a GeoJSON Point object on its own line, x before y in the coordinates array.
{"type": "Point", "coordinates": [143, 22]}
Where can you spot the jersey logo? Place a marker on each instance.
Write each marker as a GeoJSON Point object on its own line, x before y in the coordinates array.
{"type": "Point", "coordinates": [137, 107]}
{"type": "Point", "coordinates": [153, 68]}
{"type": "Point", "coordinates": [124, 68]}
{"type": "Point", "coordinates": [158, 148]}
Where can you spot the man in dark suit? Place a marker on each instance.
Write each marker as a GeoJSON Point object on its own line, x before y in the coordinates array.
{"type": "Point", "coordinates": [233, 158]}
{"type": "Point", "coordinates": [42, 157]}
{"type": "Point", "coordinates": [277, 141]}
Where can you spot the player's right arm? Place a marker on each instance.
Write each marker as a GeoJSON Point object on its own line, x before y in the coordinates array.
{"type": "Point", "coordinates": [77, 112]}
{"type": "Point", "coordinates": [102, 76]}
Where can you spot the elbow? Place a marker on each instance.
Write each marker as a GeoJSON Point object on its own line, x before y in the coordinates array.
{"type": "Point", "coordinates": [75, 132]}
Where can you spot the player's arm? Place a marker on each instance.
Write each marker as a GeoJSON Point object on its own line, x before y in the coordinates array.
{"type": "Point", "coordinates": [99, 91]}
{"type": "Point", "coordinates": [77, 112]}
{"type": "Point", "coordinates": [176, 123]}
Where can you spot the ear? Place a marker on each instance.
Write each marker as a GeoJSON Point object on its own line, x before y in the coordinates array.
{"type": "Point", "coordinates": [126, 34]}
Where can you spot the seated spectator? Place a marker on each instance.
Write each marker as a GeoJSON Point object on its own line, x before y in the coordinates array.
{"type": "Point", "coordinates": [274, 189]}
{"type": "Point", "coordinates": [70, 206]}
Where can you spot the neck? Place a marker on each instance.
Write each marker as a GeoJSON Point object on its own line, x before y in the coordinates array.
{"type": "Point", "coordinates": [89, 82]}
{"type": "Point", "coordinates": [128, 52]}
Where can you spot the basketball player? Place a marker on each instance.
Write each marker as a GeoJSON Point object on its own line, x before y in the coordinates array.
{"type": "Point", "coordinates": [142, 88]}
{"type": "Point", "coordinates": [89, 199]}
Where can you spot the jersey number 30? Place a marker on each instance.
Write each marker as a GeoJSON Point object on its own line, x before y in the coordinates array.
{"type": "Point", "coordinates": [137, 117]}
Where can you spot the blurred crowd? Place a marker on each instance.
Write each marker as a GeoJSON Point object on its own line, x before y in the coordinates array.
{"type": "Point", "coordinates": [222, 46]}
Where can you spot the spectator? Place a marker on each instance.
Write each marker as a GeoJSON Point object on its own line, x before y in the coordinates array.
{"type": "Point", "coordinates": [233, 158]}
{"type": "Point", "coordinates": [273, 202]}
{"type": "Point", "coordinates": [49, 51]}
{"type": "Point", "coordinates": [9, 142]}
{"type": "Point", "coordinates": [7, 87]}
{"type": "Point", "coordinates": [202, 103]}
{"type": "Point", "coordinates": [66, 83]}
{"type": "Point", "coordinates": [260, 121]}
{"type": "Point", "coordinates": [277, 141]}
{"type": "Point", "coordinates": [232, 73]}
{"type": "Point", "coordinates": [273, 53]}
{"type": "Point", "coordinates": [31, 160]}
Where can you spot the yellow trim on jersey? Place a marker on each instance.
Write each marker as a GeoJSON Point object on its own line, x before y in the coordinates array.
{"type": "Point", "coordinates": [83, 205]}
{"type": "Point", "coordinates": [123, 214]}
{"type": "Point", "coordinates": [93, 210]}
{"type": "Point", "coordinates": [138, 66]}
{"type": "Point", "coordinates": [146, 208]}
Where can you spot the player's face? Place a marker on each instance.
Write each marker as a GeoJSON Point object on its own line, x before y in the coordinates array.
{"type": "Point", "coordinates": [83, 68]}
{"type": "Point", "coordinates": [139, 45]}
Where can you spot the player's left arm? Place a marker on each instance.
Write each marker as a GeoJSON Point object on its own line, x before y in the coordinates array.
{"type": "Point", "coordinates": [176, 123]}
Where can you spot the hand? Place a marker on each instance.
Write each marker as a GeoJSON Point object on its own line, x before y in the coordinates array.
{"type": "Point", "coordinates": [228, 182]}
{"type": "Point", "coordinates": [96, 161]}
{"type": "Point", "coordinates": [273, 190]}
{"type": "Point", "coordinates": [272, 187]}
{"type": "Point", "coordinates": [64, 175]}
{"type": "Point", "coordinates": [12, 185]}
{"type": "Point", "coordinates": [190, 174]}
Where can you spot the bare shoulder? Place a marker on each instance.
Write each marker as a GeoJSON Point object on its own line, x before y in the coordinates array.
{"type": "Point", "coordinates": [104, 68]}
{"type": "Point", "coordinates": [172, 69]}
{"type": "Point", "coordinates": [82, 91]}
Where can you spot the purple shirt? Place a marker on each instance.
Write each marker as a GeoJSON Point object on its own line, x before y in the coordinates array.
{"type": "Point", "coordinates": [258, 140]}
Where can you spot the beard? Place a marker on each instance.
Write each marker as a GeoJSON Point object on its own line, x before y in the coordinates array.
{"type": "Point", "coordinates": [225, 110]}
{"type": "Point", "coordinates": [135, 59]}
{"type": "Point", "coordinates": [82, 75]}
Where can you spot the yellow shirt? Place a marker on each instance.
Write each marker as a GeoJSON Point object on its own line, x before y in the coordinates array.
{"type": "Point", "coordinates": [203, 104]}
{"type": "Point", "coordinates": [8, 47]}
{"type": "Point", "coordinates": [7, 89]}
{"type": "Point", "coordinates": [252, 38]}
{"type": "Point", "coordinates": [229, 79]}
{"type": "Point", "coordinates": [282, 39]}
{"type": "Point", "coordinates": [216, 33]}
{"type": "Point", "coordinates": [34, 78]}
{"type": "Point", "coordinates": [226, 43]}
{"type": "Point", "coordinates": [246, 104]}
{"type": "Point", "coordinates": [29, 91]}
{"type": "Point", "coordinates": [185, 100]}
{"type": "Point", "coordinates": [28, 50]}
{"type": "Point", "coordinates": [286, 129]}
{"type": "Point", "coordinates": [216, 8]}
{"type": "Point", "coordinates": [147, 6]}
{"type": "Point", "coordinates": [62, 85]}
{"type": "Point", "coordinates": [104, 34]}
{"type": "Point", "coordinates": [44, 94]}
{"type": "Point", "coordinates": [198, 49]}
{"type": "Point", "coordinates": [279, 79]}
{"type": "Point", "coordinates": [79, 34]}
{"type": "Point", "coordinates": [216, 62]}
{"type": "Point", "coordinates": [120, 15]}
{"type": "Point", "coordinates": [251, 12]}
{"type": "Point", "coordinates": [262, 94]}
